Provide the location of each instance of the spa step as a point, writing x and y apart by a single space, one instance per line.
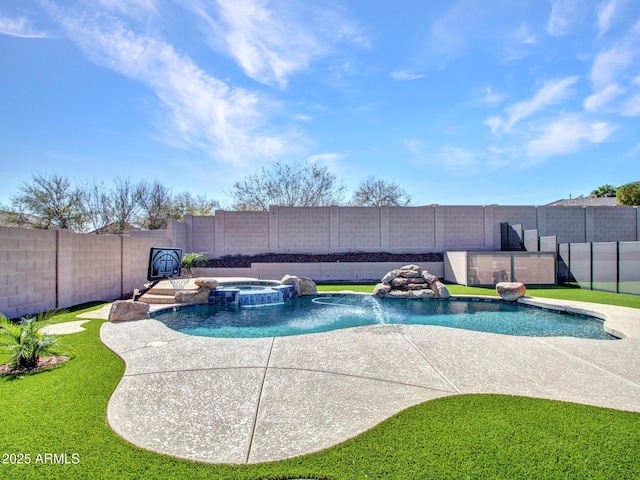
156 299
165 291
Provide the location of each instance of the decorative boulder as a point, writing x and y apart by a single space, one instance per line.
204 282
410 281
193 297
381 289
289 280
199 296
511 291
304 286
307 287
125 310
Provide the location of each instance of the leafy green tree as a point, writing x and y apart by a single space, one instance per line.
26 342
604 191
629 194
288 185
49 202
374 192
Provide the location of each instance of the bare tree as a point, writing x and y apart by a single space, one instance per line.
155 204
186 204
95 202
292 185
374 192
124 205
112 210
49 202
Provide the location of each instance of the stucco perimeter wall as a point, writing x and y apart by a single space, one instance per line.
44 269
431 228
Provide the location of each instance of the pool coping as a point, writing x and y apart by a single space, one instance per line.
268 399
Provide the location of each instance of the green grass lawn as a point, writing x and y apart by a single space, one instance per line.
62 411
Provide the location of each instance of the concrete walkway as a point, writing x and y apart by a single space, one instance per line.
256 400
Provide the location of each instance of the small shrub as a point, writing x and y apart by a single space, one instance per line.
191 260
26 342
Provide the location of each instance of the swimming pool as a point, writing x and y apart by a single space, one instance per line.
331 312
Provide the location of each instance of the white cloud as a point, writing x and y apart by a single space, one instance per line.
457 159
609 64
326 157
605 15
599 100
565 14
200 110
567 134
414 146
130 7
524 36
491 98
405 75
553 92
495 123
271 42
631 107
333 161
18 27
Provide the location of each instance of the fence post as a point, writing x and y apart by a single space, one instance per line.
617 267
590 265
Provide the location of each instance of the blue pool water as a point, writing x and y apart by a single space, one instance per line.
321 314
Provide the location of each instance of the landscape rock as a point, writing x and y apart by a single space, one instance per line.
289 280
304 286
193 297
307 287
206 282
390 276
510 291
410 281
443 291
381 289
125 310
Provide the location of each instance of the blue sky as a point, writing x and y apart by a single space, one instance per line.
460 102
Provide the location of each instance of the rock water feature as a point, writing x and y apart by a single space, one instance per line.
248 293
412 282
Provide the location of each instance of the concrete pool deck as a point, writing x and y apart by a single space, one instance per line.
222 400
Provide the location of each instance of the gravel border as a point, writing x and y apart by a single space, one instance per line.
245 261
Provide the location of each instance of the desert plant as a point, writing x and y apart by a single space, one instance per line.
26 342
191 260
604 191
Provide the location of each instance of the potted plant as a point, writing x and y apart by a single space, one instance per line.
191 260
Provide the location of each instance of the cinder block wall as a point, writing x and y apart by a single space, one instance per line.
432 228
44 269
613 224
27 271
412 228
464 228
301 229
